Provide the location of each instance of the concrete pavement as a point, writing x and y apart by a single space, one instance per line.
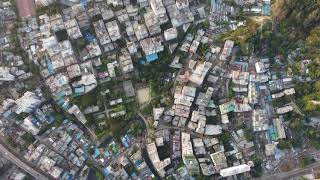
12 158
162 127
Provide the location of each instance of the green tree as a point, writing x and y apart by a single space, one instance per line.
305 160
249 134
28 137
257 168
284 144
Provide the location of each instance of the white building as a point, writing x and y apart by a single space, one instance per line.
132 47
170 34
27 102
158 8
213 130
157 163
230 171
260 68
290 91
29 126
5 74
285 109
199 73
43 2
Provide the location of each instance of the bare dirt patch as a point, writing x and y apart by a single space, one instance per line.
143 95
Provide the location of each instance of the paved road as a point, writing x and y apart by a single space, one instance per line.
183 129
294 173
12 158
145 123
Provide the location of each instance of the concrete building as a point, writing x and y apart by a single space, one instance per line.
128 88
259 120
73 29
182 4
49 165
184 96
252 93
227 50
240 78
77 113
107 14
125 61
280 128
140 30
158 8
43 2
113 30
211 130
101 32
132 47
219 160
157 163
170 34
289 91
177 16
151 45
115 3
27 103
285 109
74 71
199 73
260 68
152 22
188 157
5 74
29 126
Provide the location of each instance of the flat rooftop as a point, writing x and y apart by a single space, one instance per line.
26 8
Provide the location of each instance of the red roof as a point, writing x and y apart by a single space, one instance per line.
26 8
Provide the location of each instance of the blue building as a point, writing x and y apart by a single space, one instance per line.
106 173
125 141
79 90
50 67
8 113
96 153
266 8
152 57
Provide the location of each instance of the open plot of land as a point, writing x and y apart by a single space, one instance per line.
143 95
287 166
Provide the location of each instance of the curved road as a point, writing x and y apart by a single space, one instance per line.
145 122
12 158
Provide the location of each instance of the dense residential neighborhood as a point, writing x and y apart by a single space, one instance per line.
159 89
